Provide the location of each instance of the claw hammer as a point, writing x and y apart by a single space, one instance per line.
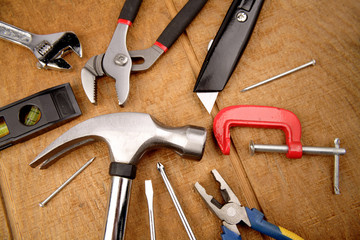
128 136
270 117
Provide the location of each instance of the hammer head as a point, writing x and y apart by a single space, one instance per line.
129 136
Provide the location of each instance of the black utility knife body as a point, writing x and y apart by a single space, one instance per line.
226 49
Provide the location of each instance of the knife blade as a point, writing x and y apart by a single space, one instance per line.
226 50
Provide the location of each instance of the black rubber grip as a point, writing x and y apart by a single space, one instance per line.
177 26
122 170
130 10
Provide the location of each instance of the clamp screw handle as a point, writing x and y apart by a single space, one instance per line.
336 151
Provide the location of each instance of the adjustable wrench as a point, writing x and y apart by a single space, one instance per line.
48 49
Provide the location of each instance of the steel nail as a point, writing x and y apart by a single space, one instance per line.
312 62
43 203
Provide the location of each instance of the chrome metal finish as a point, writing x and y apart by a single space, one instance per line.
336 167
161 169
311 63
118 208
43 203
121 74
336 151
48 49
120 59
306 149
241 17
232 212
209 44
91 70
115 63
149 57
128 136
149 196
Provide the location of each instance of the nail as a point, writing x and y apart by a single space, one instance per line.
312 62
43 203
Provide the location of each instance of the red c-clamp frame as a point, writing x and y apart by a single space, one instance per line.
258 117
270 117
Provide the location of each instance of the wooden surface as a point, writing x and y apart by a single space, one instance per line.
295 194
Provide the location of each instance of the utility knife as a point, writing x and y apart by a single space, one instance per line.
226 49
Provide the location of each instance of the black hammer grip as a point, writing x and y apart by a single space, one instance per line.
177 26
130 10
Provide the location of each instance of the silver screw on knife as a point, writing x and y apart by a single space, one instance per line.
312 62
43 203
150 195
161 169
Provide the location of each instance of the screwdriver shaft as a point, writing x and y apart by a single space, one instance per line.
161 169
43 203
150 196
312 62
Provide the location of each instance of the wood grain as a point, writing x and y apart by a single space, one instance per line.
295 194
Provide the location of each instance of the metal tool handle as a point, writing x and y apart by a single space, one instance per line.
15 35
177 26
130 10
118 208
180 211
258 117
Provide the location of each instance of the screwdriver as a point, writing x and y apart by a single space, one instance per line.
149 195
161 169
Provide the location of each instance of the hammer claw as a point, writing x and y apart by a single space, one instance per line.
128 136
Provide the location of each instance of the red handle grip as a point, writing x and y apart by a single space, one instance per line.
258 117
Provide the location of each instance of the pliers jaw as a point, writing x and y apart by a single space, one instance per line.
115 63
232 212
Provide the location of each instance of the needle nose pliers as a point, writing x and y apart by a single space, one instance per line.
232 213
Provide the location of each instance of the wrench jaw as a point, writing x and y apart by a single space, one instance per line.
49 49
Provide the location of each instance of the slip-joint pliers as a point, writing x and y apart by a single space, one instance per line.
232 213
117 62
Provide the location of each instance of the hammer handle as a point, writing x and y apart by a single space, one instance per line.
118 208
